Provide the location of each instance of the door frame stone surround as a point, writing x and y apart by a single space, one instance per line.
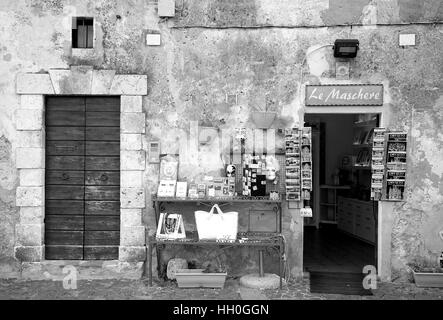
30 156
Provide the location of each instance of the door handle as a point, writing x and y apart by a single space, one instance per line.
65 176
103 177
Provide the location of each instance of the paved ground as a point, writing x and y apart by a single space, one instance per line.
131 289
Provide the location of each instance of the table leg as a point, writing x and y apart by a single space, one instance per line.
280 265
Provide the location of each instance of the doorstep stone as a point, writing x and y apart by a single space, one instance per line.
86 270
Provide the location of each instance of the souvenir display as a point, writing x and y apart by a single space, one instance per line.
201 190
272 169
254 175
306 163
170 227
230 170
377 163
396 165
168 176
193 191
293 162
306 212
166 188
181 189
168 168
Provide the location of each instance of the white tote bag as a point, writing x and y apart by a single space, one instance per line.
216 226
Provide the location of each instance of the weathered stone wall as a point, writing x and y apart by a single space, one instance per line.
255 50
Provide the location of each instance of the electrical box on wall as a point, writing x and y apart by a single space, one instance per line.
166 8
154 152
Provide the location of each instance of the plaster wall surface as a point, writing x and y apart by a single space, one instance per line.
221 60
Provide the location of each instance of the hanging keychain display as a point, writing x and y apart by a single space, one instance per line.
292 152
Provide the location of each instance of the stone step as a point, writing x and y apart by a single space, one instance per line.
84 270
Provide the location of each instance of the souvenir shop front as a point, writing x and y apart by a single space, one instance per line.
237 217
358 172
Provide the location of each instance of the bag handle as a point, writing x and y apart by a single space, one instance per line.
215 206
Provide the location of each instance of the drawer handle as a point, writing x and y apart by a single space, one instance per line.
103 177
65 176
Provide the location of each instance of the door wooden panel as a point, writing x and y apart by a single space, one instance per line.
102 163
110 223
65 133
64 222
102 134
103 119
68 207
57 237
102 178
65 118
65 177
63 192
82 218
65 104
110 104
102 238
103 148
54 252
65 148
100 252
102 193
65 162
102 208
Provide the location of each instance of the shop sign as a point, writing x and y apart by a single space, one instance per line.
344 95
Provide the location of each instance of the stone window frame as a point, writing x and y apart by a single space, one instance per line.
30 154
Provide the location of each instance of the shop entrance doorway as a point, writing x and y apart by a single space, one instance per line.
341 236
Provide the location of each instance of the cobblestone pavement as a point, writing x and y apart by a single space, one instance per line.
139 289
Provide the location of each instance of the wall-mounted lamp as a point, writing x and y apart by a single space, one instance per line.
345 48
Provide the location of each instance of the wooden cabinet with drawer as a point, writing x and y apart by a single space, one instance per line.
356 217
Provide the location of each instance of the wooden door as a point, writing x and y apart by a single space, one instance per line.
82 219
